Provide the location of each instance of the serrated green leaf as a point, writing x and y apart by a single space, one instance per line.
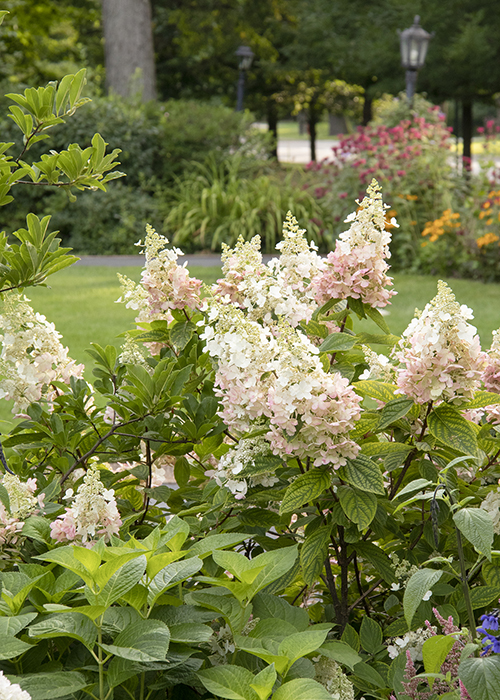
418 585
476 526
228 681
55 684
143 641
369 674
304 489
382 391
359 506
370 635
364 474
341 652
338 342
481 677
481 399
393 410
434 652
452 429
11 646
302 689
313 554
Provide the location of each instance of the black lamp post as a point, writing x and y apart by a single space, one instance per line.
245 55
414 42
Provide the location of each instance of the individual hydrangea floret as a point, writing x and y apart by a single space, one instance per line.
22 503
11 691
93 514
380 368
357 267
439 354
32 355
411 642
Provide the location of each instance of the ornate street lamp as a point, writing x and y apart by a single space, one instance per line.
245 54
414 42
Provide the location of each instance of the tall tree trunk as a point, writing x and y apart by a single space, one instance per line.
272 121
367 110
467 135
312 121
128 48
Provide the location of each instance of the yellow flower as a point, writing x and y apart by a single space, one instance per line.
486 239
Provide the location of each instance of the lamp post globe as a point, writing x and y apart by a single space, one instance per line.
413 43
245 54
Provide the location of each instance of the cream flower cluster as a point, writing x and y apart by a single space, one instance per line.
93 514
332 678
279 289
380 367
491 376
439 354
32 355
236 460
491 505
11 691
357 267
274 373
164 285
22 502
412 642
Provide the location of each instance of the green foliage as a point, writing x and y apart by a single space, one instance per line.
218 203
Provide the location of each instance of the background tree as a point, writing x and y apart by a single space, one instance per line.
128 47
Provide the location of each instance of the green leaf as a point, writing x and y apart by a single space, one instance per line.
416 485
418 585
481 677
302 643
271 606
491 575
369 674
313 554
370 635
341 652
71 624
171 575
209 544
238 564
264 682
144 641
434 652
14 624
452 429
382 391
4 498
480 400
305 489
351 637
476 526
54 684
359 506
302 689
338 342
397 408
10 647
231 682
376 316
181 333
377 558
363 474
125 578
482 596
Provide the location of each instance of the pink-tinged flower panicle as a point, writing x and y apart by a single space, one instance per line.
439 354
165 285
357 267
94 512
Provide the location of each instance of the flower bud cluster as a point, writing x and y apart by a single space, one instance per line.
357 267
93 514
332 678
32 356
230 466
439 354
412 643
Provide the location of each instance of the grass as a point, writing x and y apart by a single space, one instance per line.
80 301
290 130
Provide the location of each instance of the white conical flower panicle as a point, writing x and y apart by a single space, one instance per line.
439 354
93 514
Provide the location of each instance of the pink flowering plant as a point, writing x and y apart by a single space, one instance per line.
252 500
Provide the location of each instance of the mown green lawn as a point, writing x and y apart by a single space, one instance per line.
81 303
